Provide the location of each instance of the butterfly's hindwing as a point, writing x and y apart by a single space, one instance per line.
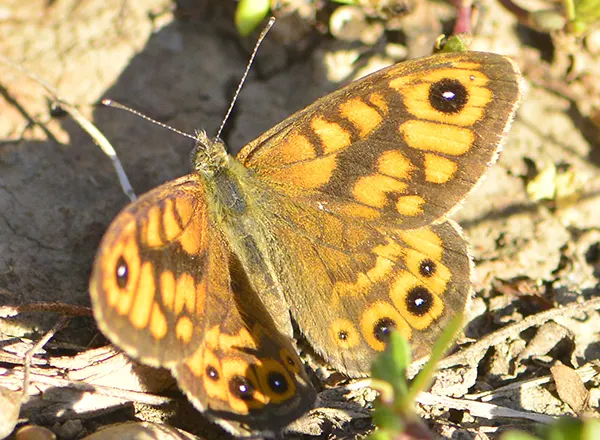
363 285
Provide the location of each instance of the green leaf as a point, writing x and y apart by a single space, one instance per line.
385 418
442 343
565 428
249 14
456 43
380 434
390 366
518 435
582 14
573 429
588 10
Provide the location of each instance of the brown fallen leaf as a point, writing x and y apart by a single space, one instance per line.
570 388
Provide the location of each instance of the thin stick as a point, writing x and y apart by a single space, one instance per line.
57 307
480 409
102 390
97 136
106 147
30 353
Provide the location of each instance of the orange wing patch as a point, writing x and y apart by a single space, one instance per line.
395 164
184 329
431 136
363 116
158 323
438 169
307 175
344 334
330 134
410 206
372 190
139 311
293 148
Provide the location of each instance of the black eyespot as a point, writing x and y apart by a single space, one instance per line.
427 268
122 273
212 373
291 362
419 301
448 96
383 328
241 388
277 382
343 335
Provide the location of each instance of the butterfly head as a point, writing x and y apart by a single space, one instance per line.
209 155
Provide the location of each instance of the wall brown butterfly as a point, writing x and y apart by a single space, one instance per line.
335 219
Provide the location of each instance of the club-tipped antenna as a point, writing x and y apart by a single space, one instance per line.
115 104
261 37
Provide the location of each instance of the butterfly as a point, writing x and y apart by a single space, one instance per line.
334 222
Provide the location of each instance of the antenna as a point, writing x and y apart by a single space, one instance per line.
115 104
261 37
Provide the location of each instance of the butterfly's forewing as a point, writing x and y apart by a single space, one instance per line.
149 285
167 289
383 147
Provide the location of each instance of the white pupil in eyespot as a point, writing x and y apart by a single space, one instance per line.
448 95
